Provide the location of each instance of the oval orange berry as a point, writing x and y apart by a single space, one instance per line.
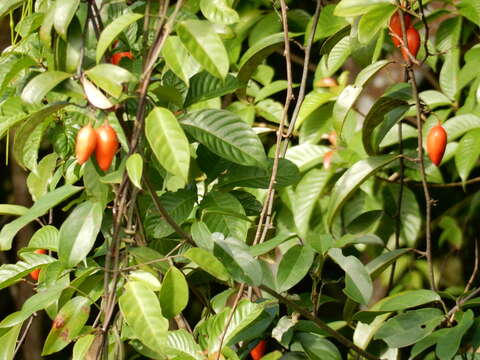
259 350
436 143
107 146
36 273
396 27
85 143
413 42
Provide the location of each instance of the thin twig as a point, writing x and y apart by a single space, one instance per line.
156 200
475 268
24 336
324 326
229 319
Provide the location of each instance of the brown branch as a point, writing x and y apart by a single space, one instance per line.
229 319
322 325
475 268
24 335
164 212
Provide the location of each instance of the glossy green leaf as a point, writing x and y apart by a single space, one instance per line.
141 309
352 179
135 169
8 5
12 65
307 156
299 258
109 78
307 192
178 60
204 86
168 142
11 273
82 346
409 327
41 85
67 324
79 232
9 338
374 21
357 7
40 208
219 11
112 30
204 44
235 255
328 23
406 299
459 125
207 262
382 262
223 213
225 134
312 102
269 245
182 345
259 178
64 13
449 343
38 182
173 293
45 238
467 153
317 347
358 284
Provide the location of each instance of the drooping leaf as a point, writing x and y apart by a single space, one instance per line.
467 153
204 86
181 344
40 85
173 293
9 338
64 13
109 78
219 11
45 238
207 262
299 258
135 169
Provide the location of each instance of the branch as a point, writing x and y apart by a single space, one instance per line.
164 212
322 325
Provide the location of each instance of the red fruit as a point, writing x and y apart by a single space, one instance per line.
36 273
115 60
413 41
436 143
259 350
85 144
327 159
107 146
396 26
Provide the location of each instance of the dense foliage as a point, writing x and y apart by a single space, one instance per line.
273 179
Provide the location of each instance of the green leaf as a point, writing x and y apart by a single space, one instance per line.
352 179
182 345
8 5
459 125
173 293
11 273
12 65
338 55
204 86
471 10
225 134
45 238
314 100
254 56
328 24
40 208
41 85
34 303
449 73
374 21
298 257
201 40
168 142
135 169
259 178
112 30
219 11
317 347
269 245
358 284
236 257
178 59
449 343
67 324
410 327
141 309
82 347
467 153
306 156
64 13
207 262
9 338
357 7
406 299
16 210
79 232
307 193
223 213
38 181
110 78
382 262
